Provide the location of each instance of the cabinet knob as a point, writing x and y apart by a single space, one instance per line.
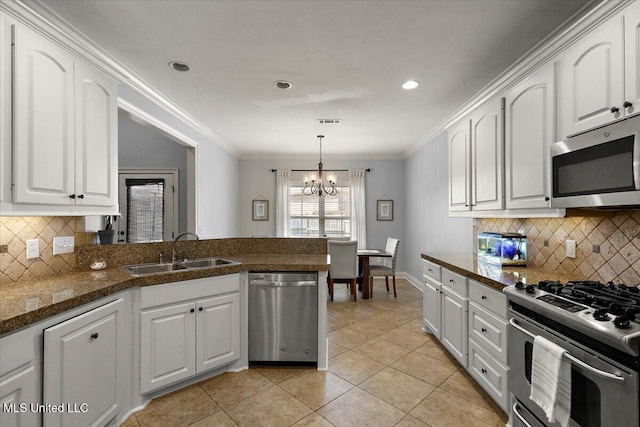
614 110
627 104
484 330
81 196
193 310
450 280
201 308
483 297
546 199
484 371
94 336
72 196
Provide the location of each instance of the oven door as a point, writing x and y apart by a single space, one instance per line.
603 393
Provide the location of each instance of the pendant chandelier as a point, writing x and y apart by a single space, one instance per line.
317 186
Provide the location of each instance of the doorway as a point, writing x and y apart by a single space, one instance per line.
149 205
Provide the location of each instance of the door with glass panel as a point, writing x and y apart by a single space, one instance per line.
148 205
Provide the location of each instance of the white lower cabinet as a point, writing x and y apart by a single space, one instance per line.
81 367
454 324
489 373
188 328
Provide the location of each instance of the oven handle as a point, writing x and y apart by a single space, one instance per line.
573 359
519 415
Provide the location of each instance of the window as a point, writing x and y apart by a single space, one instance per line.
313 216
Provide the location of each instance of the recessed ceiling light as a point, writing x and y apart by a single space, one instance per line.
282 84
410 84
179 66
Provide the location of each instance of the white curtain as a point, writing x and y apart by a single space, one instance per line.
283 182
358 205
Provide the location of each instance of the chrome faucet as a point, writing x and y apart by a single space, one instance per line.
175 241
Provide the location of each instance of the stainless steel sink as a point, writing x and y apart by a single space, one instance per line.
162 268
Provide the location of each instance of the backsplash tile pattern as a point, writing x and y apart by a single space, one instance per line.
14 232
618 238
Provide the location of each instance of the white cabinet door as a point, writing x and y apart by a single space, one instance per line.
167 345
96 146
529 130
631 56
592 80
454 324
460 167
487 166
19 389
43 151
217 331
431 306
81 368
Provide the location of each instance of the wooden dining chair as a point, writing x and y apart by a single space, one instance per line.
344 265
388 268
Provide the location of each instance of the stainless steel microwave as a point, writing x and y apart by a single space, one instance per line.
599 168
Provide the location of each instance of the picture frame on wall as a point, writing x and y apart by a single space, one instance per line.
385 210
260 210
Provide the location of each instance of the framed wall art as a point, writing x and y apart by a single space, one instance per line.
385 210
260 210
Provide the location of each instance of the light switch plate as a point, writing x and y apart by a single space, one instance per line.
33 248
63 245
571 248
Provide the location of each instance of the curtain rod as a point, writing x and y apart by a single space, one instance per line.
316 170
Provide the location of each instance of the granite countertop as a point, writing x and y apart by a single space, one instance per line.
30 301
494 276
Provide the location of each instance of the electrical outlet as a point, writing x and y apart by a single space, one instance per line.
63 245
33 248
571 248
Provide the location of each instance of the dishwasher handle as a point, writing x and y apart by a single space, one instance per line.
271 284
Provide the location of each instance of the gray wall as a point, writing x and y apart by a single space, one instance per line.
385 179
429 228
217 172
141 146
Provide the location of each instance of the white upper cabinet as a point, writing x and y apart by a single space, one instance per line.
64 127
599 75
487 151
460 167
529 129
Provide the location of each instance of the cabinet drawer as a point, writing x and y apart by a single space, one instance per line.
431 269
489 373
488 298
455 281
17 350
489 331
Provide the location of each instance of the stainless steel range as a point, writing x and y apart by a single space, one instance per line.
599 327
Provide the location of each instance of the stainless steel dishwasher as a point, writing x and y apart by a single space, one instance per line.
283 317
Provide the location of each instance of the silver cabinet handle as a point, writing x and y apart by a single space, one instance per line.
575 360
515 411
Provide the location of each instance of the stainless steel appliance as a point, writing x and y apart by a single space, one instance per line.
599 327
283 317
599 168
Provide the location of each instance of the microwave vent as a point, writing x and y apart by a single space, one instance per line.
329 121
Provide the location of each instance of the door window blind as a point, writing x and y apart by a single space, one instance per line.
145 210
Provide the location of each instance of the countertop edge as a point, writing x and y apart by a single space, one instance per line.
467 273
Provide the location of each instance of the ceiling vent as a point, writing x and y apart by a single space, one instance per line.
329 121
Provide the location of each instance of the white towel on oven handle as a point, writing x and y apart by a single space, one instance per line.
551 380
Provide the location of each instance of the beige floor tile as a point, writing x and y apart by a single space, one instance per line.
410 312
278 374
348 337
179 408
404 338
354 367
231 387
270 407
381 351
443 409
397 388
410 421
130 422
316 389
359 408
425 368
415 326
313 420
372 327
219 419
335 349
433 348
466 388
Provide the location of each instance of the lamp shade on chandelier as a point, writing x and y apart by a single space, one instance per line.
317 186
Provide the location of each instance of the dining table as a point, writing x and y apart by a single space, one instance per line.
363 267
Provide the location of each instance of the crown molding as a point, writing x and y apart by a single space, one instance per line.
325 156
578 25
39 17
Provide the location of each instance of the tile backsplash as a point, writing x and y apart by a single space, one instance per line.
607 248
14 232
